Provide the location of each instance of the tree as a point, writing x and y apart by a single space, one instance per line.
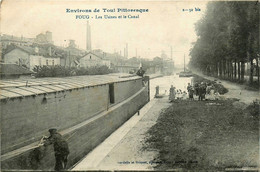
228 37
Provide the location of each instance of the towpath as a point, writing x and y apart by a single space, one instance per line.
235 90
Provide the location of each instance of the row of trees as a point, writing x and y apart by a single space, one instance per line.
228 37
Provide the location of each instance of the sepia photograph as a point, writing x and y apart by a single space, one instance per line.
138 85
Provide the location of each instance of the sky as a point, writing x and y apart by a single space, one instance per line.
165 25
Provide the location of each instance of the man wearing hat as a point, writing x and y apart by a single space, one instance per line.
61 148
140 72
202 91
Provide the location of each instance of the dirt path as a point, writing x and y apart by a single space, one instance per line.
236 90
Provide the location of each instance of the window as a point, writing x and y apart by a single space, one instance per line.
111 94
89 57
52 62
47 62
40 61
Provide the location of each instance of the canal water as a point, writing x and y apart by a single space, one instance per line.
165 83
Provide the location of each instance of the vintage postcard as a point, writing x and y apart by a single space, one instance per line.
129 85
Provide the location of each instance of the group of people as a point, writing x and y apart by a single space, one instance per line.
198 89
177 94
206 91
202 90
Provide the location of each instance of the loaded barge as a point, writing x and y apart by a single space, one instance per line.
85 109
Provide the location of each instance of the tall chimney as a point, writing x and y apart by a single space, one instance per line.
88 43
126 53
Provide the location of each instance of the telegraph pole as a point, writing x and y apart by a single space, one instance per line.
184 62
171 52
126 50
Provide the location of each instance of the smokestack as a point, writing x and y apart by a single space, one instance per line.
126 53
88 43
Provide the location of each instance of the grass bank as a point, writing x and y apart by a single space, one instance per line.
206 135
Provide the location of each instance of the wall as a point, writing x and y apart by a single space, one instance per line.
81 140
35 61
106 63
13 57
51 61
41 61
90 60
67 61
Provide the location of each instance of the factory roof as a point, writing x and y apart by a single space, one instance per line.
31 87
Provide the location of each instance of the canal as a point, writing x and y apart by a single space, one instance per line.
165 83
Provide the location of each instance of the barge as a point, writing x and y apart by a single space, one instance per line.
85 109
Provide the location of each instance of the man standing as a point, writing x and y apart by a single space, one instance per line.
190 91
196 88
189 87
61 148
140 72
202 91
